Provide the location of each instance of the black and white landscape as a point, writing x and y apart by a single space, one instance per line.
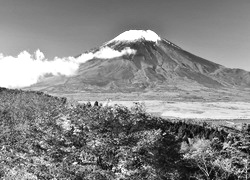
110 97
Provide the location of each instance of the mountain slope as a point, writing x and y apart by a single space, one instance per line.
139 60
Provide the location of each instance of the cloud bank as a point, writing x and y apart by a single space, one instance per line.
26 69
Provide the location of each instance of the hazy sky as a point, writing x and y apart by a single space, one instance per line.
218 30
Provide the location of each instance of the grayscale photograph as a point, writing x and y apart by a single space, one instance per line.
125 89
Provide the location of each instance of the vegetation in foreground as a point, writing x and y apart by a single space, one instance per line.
45 137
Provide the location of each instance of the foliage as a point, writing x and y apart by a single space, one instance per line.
44 137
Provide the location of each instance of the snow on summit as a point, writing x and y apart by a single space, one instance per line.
134 35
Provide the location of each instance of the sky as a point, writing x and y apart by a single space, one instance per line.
217 30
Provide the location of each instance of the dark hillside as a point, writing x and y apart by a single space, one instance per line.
44 137
21 110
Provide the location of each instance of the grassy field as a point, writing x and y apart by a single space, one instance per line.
186 94
230 113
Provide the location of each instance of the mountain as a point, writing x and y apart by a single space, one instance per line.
141 61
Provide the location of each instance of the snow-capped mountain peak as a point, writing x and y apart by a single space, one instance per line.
135 35
141 61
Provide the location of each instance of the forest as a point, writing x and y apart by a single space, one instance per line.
48 137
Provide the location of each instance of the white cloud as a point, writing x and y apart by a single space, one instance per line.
106 53
27 69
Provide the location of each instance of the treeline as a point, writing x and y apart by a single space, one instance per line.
45 137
